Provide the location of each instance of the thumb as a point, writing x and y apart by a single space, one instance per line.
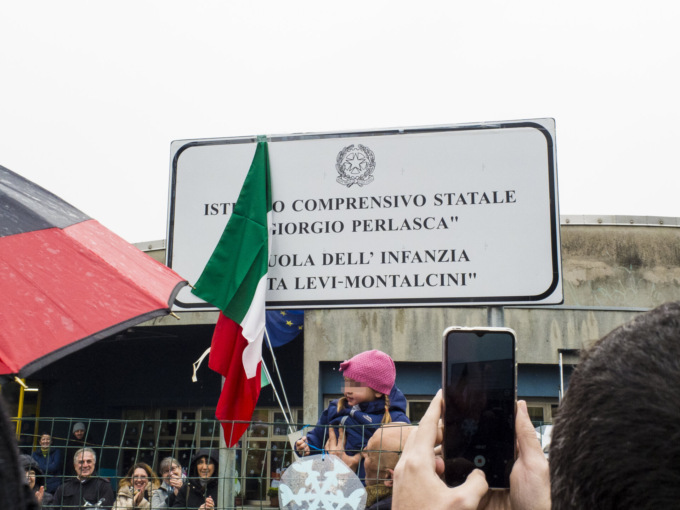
331 441
342 436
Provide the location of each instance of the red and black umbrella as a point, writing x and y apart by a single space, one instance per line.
66 281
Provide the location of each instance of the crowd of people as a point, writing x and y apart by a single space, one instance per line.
65 478
140 488
614 442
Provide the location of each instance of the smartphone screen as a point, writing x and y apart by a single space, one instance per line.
478 381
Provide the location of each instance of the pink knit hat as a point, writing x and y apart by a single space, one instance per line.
373 368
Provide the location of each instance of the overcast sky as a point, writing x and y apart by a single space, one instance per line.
93 92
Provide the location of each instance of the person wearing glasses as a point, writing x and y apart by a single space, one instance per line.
136 488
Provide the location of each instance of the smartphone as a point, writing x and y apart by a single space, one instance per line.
479 382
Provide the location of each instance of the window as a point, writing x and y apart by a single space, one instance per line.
541 411
417 407
267 452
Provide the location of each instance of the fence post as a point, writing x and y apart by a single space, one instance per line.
227 475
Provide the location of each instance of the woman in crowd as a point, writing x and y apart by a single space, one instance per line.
35 480
50 462
200 490
136 488
172 481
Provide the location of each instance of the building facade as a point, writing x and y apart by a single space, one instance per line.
613 269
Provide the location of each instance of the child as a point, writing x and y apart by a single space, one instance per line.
370 399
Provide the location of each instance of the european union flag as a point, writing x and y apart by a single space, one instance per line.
284 325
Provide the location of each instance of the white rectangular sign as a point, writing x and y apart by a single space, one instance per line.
445 215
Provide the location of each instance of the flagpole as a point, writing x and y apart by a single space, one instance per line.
227 471
278 373
276 393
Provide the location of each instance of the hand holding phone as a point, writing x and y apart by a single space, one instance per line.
479 383
417 484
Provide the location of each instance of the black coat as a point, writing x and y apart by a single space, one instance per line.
74 494
193 494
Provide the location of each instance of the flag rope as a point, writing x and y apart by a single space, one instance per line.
278 373
197 364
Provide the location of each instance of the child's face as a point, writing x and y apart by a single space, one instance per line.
356 393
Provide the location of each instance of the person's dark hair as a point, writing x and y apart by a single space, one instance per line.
211 454
29 464
616 440
14 491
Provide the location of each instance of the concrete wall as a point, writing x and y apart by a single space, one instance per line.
611 272
614 267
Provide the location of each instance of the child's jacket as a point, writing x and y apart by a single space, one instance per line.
360 421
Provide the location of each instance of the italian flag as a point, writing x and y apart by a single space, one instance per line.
234 281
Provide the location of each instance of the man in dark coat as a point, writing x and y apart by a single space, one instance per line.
85 489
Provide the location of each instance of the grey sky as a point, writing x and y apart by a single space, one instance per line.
94 92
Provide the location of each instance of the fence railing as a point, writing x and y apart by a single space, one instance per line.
259 458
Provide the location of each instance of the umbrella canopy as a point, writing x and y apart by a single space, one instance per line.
66 281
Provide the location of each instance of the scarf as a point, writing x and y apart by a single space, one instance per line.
376 492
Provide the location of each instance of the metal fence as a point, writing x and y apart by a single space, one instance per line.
255 464
259 458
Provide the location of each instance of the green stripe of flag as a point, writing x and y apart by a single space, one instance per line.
241 256
264 381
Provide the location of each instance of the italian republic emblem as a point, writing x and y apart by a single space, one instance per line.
355 165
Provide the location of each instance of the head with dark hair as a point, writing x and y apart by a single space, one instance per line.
45 440
205 463
14 491
616 440
34 475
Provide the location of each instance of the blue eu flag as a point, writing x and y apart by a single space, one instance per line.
284 325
